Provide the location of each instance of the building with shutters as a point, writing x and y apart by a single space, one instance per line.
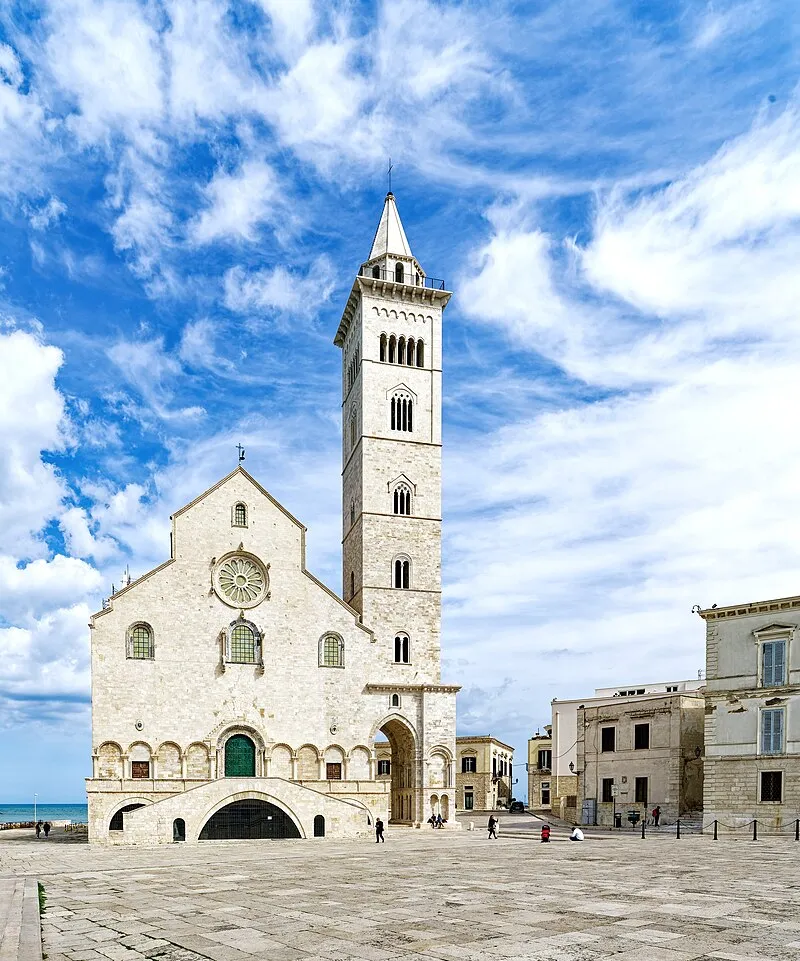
752 730
580 765
484 773
236 696
540 770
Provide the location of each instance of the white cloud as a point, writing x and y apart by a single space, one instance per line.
23 130
292 23
82 540
279 290
44 585
152 372
237 203
31 421
41 217
106 57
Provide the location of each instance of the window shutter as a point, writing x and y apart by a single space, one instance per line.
766 732
777 731
768 663
779 665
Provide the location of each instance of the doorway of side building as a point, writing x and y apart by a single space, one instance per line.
403 771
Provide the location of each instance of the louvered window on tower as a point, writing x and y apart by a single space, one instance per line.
402 413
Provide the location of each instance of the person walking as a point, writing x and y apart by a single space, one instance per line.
492 827
379 832
38 829
656 814
439 821
47 829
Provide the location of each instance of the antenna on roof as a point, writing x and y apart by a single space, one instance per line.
241 452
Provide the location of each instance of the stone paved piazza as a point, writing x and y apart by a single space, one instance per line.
424 895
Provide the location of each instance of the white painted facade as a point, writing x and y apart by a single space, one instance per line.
752 731
232 657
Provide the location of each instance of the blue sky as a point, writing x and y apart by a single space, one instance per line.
612 190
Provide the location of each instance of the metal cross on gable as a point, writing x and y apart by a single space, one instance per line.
241 452
389 174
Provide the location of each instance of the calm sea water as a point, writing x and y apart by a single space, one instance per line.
47 812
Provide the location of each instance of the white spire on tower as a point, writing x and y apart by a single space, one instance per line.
390 238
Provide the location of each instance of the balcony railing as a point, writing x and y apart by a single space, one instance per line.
409 278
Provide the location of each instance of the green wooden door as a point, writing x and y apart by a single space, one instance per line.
240 757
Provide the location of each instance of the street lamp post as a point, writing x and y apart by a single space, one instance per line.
35 796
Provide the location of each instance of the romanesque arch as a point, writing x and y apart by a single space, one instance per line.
249 819
404 770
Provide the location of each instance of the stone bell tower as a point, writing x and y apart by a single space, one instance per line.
391 340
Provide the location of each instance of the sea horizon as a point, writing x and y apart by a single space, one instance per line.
10 812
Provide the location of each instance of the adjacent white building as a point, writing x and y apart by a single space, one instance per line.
752 749
234 694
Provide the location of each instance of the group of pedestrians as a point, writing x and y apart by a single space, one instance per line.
436 821
43 826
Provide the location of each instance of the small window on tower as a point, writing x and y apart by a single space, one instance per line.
402 573
352 585
383 346
240 515
392 349
420 354
376 271
352 513
399 273
401 413
402 649
402 499
410 352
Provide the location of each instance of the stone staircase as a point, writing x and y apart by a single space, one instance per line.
20 930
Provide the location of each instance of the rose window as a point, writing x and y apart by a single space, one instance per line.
241 581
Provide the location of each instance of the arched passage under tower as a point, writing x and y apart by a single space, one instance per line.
403 770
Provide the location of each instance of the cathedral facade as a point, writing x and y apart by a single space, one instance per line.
236 696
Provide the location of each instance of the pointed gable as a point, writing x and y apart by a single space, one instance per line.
390 238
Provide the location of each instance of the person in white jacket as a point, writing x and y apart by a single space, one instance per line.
577 834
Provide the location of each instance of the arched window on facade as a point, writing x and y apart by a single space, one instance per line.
402 499
402 573
416 279
401 350
331 651
352 584
382 352
402 649
395 700
376 271
420 354
392 349
352 513
319 826
239 515
140 644
353 429
244 643
399 274
401 412
410 352
178 830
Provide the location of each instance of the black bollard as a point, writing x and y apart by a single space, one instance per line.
797 830
715 830
755 830
678 835
643 829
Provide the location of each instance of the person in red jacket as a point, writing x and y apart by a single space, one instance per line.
545 832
